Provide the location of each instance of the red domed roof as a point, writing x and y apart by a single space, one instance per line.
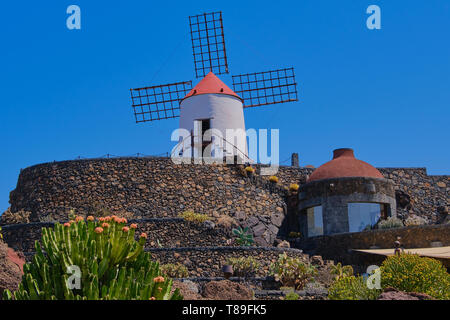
344 164
211 84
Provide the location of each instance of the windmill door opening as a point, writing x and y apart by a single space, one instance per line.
206 125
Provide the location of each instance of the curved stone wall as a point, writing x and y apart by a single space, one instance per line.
334 196
155 187
148 187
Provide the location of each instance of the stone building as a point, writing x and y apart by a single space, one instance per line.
344 195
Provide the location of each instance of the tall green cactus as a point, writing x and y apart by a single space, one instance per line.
113 265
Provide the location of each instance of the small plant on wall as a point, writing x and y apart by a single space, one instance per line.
190 215
340 271
390 223
243 266
273 179
243 236
18 217
175 270
249 171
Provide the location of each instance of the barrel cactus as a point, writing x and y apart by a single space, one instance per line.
93 260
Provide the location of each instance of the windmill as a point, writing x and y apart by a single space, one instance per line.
211 104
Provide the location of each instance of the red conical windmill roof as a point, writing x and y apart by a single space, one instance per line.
211 84
344 164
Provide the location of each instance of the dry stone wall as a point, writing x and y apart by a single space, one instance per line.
166 232
420 194
157 188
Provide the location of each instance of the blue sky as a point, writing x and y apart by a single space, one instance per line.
385 93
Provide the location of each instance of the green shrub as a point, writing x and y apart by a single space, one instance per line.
291 296
190 215
18 217
243 266
340 271
243 236
112 265
292 272
352 288
414 220
294 234
412 273
389 223
175 270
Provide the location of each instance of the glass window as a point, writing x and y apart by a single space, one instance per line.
315 221
363 216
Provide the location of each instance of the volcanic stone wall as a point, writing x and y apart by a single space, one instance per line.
420 194
148 187
338 247
166 232
155 187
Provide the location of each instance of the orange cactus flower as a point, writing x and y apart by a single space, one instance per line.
133 225
101 219
79 218
105 225
143 235
98 230
124 220
108 218
125 229
117 220
152 298
66 224
90 218
158 279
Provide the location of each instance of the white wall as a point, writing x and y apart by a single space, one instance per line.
225 112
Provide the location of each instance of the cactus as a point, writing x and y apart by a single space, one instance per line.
340 271
112 264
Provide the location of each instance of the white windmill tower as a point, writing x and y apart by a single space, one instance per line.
211 104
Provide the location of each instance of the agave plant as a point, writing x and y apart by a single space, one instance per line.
243 236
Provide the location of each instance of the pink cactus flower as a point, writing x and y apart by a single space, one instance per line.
79 218
90 218
66 224
98 230
158 279
105 225
143 235
133 225
152 298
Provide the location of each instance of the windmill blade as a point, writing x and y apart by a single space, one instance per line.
269 87
159 102
208 44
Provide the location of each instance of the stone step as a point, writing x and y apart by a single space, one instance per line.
208 261
165 232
